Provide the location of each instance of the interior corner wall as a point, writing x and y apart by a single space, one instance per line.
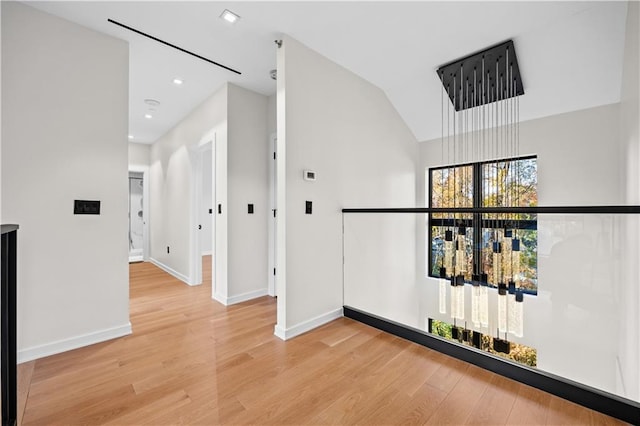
60 144
238 118
139 154
248 183
170 186
344 129
629 327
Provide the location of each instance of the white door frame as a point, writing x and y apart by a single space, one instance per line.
145 208
206 145
273 287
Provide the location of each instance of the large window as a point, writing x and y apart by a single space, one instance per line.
502 183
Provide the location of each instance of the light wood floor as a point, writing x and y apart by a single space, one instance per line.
191 360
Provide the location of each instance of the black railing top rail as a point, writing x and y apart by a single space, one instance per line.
630 209
8 228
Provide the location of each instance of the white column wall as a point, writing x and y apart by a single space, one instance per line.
64 137
345 129
248 184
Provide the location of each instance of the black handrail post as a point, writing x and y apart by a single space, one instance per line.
8 359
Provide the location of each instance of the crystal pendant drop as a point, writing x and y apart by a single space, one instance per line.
502 308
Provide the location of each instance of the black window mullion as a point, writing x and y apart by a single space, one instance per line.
475 221
430 234
477 218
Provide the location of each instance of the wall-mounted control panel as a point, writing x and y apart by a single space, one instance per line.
308 207
250 208
86 207
309 175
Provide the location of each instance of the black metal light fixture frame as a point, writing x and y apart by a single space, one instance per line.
489 68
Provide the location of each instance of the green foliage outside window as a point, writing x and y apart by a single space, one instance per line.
519 353
503 183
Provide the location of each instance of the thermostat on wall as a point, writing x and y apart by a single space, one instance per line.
309 175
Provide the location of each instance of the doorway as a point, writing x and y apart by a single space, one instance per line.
138 232
202 207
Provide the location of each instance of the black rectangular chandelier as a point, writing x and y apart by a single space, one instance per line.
484 77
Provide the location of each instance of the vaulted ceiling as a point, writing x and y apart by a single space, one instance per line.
570 53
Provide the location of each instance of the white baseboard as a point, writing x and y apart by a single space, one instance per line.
226 301
207 253
35 352
219 298
170 271
303 327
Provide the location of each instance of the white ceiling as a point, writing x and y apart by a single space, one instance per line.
570 53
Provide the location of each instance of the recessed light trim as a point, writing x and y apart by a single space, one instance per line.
229 16
178 81
148 116
130 136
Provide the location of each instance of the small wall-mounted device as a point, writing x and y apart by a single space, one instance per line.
308 207
309 175
250 208
86 207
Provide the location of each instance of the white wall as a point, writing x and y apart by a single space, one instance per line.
380 264
206 218
171 160
139 154
64 137
272 123
238 118
248 174
578 277
629 343
335 123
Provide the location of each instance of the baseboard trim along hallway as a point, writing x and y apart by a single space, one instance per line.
169 270
305 326
239 298
41 351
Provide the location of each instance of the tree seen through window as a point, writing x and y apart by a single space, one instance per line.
502 183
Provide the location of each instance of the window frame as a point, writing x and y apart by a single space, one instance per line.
477 194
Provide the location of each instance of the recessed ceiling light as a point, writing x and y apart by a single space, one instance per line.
148 116
152 102
130 136
229 16
177 81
